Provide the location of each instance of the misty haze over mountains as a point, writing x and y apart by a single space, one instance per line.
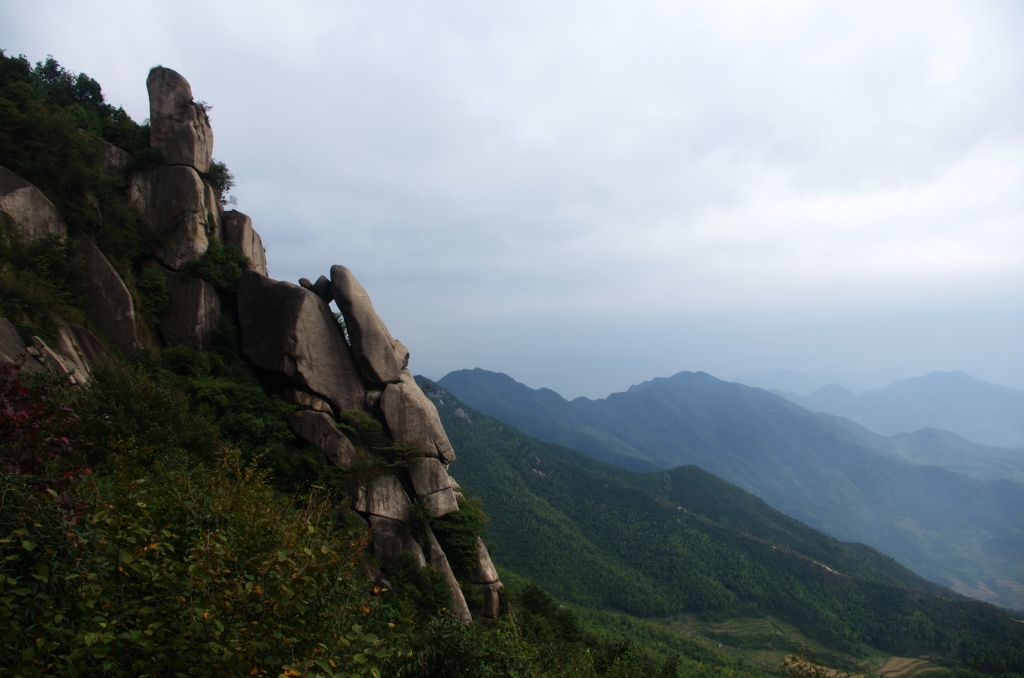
952 401
960 525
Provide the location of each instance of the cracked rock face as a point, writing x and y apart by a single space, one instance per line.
179 127
193 313
111 309
172 201
381 359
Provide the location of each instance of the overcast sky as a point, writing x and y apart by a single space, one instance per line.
589 195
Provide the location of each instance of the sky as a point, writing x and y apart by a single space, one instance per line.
587 195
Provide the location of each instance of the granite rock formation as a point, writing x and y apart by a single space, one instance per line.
111 309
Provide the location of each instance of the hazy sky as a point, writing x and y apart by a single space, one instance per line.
587 195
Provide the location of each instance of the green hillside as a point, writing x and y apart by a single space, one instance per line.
664 543
965 533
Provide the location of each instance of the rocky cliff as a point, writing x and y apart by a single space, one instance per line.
338 376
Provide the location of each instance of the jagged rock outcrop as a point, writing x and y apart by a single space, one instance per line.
412 418
381 495
172 201
179 127
111 309
380 358
238 231
439 562
193 313
290 330
318 428
484 572
31 211
391 539
433 486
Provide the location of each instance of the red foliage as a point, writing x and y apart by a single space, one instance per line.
36 428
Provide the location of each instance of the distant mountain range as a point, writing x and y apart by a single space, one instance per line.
662 543
952 401
960 531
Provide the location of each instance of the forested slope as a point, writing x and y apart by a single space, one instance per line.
960 531
659 543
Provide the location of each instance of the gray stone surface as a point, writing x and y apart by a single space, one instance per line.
380 358
79 349
111 310
428 475
292 331
437 560
411 417
484 572
238 231
193 314
440 503
381 496
33 214
179 126
172 202
53 361
391 539
319 429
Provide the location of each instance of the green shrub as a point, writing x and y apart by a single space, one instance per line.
152 287
221 266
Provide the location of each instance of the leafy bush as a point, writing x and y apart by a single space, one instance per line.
221 266
152 288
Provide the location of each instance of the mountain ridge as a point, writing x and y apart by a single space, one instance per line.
957 530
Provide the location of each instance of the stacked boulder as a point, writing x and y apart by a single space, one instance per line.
181 210
334 372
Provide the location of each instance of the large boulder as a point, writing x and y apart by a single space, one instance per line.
412 418
111 309
193 313
319 429
172 201
178 126
381 359
391 539
437 560
381 496
32 213
238 231
292 331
